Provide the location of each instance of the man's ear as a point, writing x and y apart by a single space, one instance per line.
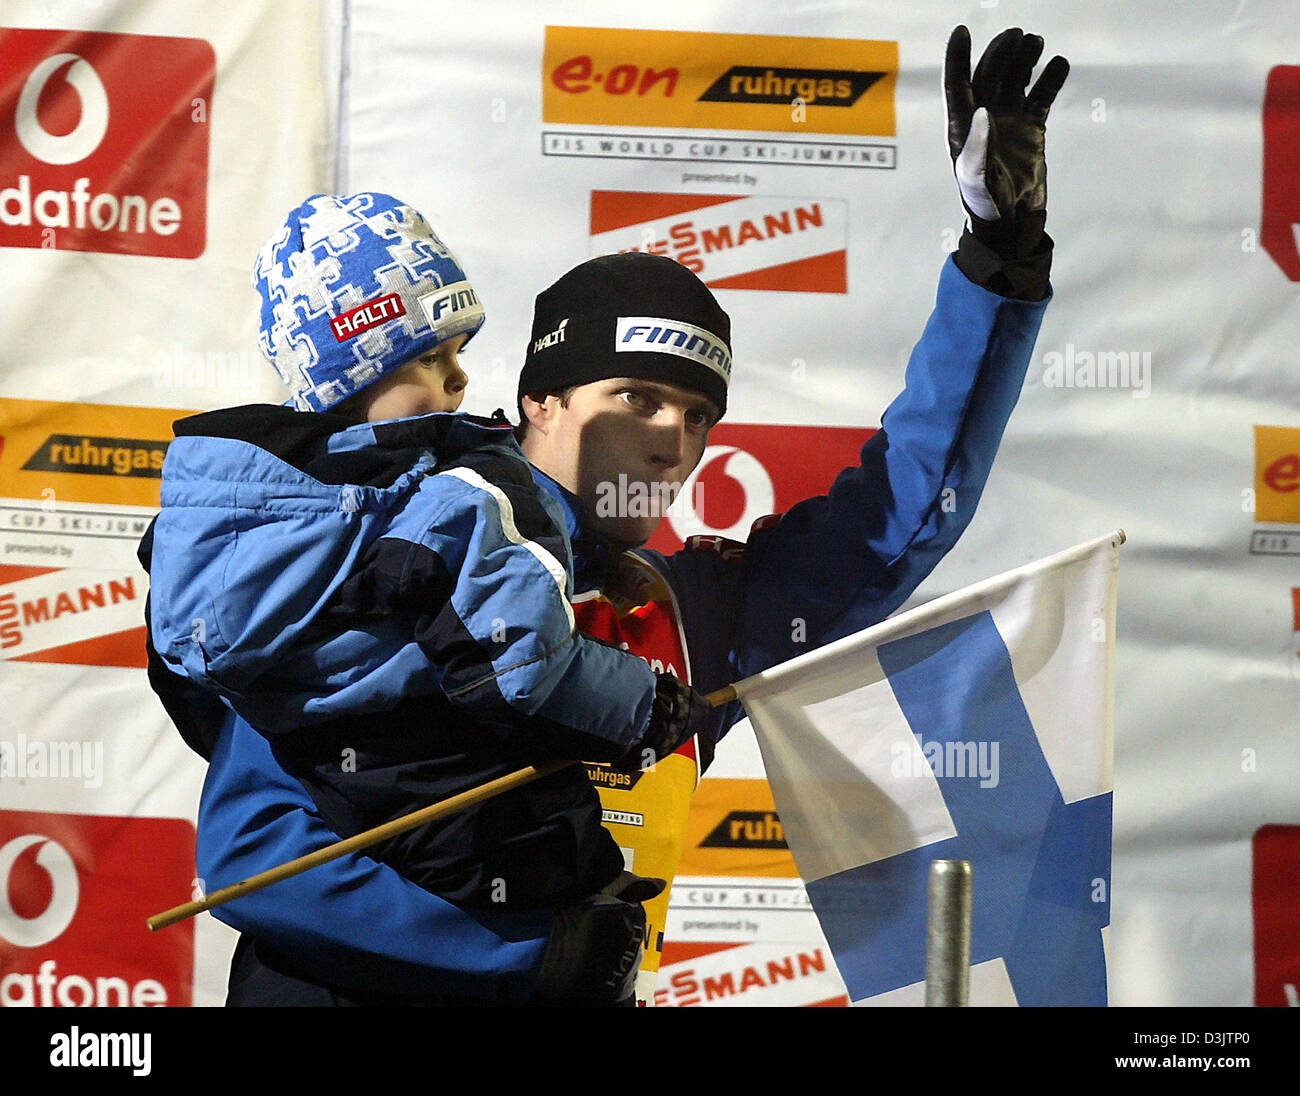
539 409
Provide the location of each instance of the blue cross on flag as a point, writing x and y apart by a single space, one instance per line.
978 727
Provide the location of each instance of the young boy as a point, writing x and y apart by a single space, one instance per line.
381 588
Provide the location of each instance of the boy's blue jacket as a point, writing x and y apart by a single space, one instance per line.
388 604
839 562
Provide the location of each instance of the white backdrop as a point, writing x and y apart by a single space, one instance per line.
1155 152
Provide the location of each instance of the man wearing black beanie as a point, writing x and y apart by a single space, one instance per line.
626 371
631 315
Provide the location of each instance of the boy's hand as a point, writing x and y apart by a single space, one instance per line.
679 713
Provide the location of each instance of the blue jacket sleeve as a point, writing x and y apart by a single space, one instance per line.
839 562
492 570
354 923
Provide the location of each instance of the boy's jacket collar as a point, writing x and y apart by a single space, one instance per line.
335 449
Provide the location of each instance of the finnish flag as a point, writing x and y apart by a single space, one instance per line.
978 727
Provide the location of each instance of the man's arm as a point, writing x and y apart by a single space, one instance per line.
839 562
846 560
843 561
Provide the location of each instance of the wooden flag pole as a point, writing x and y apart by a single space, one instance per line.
379 833
359 841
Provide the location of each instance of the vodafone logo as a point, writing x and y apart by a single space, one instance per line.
74 894
68 148
32 932
1274 891
104 141
1280 221
746 472
750 471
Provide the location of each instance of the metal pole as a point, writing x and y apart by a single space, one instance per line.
947 934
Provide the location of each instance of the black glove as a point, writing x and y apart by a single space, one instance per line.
678 714
996 136
595 948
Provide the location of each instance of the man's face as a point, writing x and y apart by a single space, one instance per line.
623 446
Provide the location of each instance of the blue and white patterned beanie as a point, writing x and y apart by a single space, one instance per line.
353 287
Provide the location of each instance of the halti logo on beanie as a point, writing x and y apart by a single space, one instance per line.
365 316
660 336
553 338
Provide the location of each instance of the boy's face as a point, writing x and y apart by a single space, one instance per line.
432 382
623 446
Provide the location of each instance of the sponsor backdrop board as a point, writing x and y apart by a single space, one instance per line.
145 153
796 159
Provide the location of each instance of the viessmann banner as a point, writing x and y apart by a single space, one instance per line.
730 241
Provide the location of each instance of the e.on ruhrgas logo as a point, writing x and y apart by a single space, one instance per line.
732 241
104 141
615 76
75 891
748 472
78 487
1275 497
1280 232
734 830
687 95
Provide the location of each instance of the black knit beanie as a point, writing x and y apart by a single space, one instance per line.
629 315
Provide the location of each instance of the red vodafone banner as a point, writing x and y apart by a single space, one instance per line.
74 896
1275 894
1281 228
749 471
104 141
